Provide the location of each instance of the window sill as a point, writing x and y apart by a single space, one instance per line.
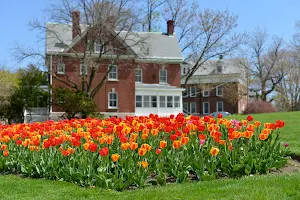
163 83
113 80
61 73
113 108
193 96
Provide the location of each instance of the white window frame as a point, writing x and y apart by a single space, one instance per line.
162 102
113 107
172 101
166 77
195 104
141 75
176 102
217 91
63 67
204 107
109 74
139 101
191 94
98 43
86 69
217 106
185 104
187 92
149 101
203 93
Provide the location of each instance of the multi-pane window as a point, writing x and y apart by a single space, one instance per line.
138 101
138 75
112 100
185 107
98 47
219 69
113 74
61 68
176 101
206 108
220 106
163 76
162 101
146 101
219 90
170 101
205 93
193 107
153 101
83 69
193 91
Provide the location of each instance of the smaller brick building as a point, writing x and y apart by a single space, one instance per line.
218 85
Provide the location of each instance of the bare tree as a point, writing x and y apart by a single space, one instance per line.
204 35
150 14
288 98
109 23
264 63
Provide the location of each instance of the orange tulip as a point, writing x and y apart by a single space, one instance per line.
115 157
110 140
214 151
86 146
144 136
263 136
144 164
162 144
248 134
125 146
32 148
133 145
257 123
176 144
184 140
154 132
5 153
142 151
222 142
3 147
146 146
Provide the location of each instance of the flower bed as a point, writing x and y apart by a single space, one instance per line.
119 153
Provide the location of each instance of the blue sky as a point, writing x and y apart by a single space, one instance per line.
277 16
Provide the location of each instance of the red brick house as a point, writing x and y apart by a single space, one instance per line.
142 81
219 85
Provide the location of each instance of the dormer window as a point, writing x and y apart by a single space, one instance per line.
163 76
98 47
219 69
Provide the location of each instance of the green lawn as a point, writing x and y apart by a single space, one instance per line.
283 186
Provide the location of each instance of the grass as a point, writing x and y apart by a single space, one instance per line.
283 186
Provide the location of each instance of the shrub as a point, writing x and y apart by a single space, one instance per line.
73 103
258 106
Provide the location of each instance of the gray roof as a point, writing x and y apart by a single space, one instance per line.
153 45
57 35
146 45
233 70
230 66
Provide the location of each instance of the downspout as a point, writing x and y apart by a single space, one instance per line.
50 85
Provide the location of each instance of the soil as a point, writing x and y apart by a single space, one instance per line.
292 166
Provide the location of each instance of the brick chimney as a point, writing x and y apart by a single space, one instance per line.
75 23
170 27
